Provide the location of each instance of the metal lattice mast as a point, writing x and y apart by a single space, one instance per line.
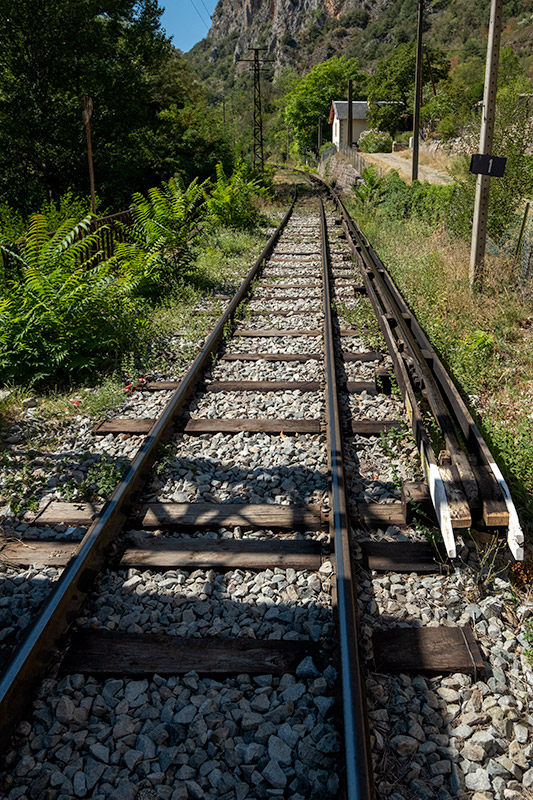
258 155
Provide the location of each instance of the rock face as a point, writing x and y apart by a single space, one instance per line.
277 24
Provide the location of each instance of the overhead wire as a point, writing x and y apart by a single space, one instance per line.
206 9
201 17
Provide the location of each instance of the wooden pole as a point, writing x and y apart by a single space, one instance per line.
319 134
349 137
87 113
418 88
481 207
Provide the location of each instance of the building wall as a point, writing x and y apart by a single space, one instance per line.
340 130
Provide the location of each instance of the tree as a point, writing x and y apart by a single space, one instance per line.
393 85
314 94
53 53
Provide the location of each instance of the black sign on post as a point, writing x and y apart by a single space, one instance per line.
494 166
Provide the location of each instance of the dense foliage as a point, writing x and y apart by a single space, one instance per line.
146 122
375 141
391 87
397 199
230 200
62 312
66 311
312 97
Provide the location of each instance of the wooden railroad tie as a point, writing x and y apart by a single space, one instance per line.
254 516
275 313
418 557
163 553
101 652
374 427
275 332
314 285
72 514
139 427
264 386
272 357
428 651
415 500
273 426
362 355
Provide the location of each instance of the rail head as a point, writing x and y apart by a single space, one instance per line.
359 772
37 650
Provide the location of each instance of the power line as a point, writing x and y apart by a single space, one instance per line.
196 9
206 9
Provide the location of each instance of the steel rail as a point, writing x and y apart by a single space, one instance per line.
35 653
464 473
471 433
359 773
438 485
488 476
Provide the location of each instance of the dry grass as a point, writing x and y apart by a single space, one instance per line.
439 160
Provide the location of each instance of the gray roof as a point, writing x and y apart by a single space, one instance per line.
359 109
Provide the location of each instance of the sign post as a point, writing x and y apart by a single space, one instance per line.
481 207
349 141
87 113
418 91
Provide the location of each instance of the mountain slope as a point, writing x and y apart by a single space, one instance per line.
301 33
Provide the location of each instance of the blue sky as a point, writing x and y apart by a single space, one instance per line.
185 23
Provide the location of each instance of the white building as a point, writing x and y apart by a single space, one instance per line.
338 117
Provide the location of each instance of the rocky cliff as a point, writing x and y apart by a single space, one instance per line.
301 33
292 31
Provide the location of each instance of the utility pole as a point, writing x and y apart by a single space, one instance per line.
319 134
259 157
418 89
350 115
481 207
86 115
258 154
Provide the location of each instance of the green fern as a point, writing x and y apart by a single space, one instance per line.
231 201
67 313
170 218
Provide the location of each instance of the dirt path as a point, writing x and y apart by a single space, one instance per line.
389 161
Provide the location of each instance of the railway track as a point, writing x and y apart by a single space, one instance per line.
215 591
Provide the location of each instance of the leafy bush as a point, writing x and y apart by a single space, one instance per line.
373 141
70 206
11 224
368 192
170 218
231 201
67 313
400 200
474 360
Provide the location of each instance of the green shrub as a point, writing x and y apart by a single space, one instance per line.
70 206
400 200
474 359
169 220
11 224
231 200
67 314
373 141
368 192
